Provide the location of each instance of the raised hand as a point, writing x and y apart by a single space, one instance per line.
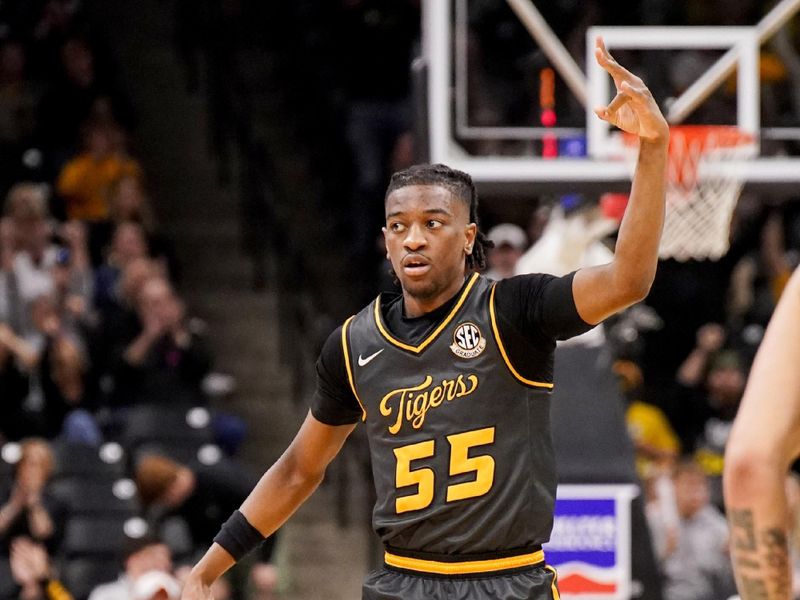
633 109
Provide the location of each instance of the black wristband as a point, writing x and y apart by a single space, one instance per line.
238 536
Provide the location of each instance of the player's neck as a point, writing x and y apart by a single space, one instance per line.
414 306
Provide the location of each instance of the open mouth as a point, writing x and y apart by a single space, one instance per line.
415 266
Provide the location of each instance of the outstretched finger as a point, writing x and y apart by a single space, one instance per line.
605 60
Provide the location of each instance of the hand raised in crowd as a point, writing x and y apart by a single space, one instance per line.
153 326
633 109
29 562
30 484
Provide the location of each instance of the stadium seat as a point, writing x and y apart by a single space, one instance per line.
82 575
174 532
174 426
94 536
80 461
87 497
184 453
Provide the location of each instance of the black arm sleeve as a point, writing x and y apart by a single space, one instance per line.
333 402
541 306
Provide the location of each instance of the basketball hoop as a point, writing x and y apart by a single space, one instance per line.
701 193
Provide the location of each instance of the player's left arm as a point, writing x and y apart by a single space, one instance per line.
764 441
601 291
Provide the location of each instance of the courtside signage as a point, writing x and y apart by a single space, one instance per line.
590 546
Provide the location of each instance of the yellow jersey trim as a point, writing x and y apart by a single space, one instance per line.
350 369
427 341
554 585
463 568
502 349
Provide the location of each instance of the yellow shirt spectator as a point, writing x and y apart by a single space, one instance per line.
652 435
85 183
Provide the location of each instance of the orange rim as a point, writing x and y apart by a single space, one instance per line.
724 136
687 143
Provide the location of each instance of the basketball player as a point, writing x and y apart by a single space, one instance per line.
764 442
451 380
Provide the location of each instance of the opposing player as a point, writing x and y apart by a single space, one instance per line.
451 381
764 442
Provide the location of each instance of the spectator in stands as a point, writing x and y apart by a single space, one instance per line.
202 497
86 180
695 559
119 323
143 555
509 244
33 572
17 97
13 387
28 273
166 361
127 244
30 511
18 100
156 585
61 377
69 103
711 383
130 203
656 444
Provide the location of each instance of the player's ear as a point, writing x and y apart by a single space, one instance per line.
470 233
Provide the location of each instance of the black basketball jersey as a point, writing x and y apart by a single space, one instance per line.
460 442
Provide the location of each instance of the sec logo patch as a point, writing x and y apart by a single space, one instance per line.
468 341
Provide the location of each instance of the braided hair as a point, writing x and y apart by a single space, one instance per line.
461 186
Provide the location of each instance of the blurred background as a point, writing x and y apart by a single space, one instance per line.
191 195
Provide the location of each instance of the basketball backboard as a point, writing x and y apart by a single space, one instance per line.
453 137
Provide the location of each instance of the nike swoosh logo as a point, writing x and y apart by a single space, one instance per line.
362 362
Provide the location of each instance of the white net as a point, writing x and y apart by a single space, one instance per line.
701 196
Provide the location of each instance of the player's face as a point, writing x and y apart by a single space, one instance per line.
428 236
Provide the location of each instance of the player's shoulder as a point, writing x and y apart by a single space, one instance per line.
522 285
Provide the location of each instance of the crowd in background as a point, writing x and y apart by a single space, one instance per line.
93 332
94 335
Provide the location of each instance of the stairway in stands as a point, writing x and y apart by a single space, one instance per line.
202 218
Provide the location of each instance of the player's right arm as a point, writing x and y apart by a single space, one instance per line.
281 490
294 477
764 441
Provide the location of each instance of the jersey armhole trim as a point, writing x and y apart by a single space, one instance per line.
350 379
498 339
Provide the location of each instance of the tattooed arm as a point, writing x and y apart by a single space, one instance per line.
764 441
